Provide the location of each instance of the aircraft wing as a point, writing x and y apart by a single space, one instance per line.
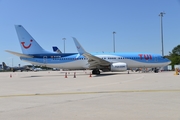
93 61
19 54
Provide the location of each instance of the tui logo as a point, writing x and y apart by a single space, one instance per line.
28 46
145 56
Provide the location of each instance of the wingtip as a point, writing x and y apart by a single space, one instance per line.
18 25
74 38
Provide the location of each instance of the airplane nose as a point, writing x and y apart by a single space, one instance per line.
169 62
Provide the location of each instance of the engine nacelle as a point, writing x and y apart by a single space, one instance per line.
118 67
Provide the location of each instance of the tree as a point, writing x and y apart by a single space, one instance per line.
174 56
176 51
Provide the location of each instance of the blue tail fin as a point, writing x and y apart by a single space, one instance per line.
56 49
27 42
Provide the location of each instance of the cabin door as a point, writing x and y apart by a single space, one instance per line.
44 59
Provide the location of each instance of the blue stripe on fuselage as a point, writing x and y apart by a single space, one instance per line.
70 57
139 57
51 55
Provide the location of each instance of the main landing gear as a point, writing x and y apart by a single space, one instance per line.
96 71
155 70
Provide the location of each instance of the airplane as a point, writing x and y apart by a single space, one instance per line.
114 62
56 49
23 68
37 69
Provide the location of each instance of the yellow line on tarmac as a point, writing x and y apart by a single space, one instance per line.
95 92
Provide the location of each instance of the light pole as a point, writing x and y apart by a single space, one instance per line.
64 43
114 41
161 22
12 61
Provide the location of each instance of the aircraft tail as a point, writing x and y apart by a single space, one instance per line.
4 66
56 49
27 42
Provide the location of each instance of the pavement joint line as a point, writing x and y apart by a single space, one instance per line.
95 92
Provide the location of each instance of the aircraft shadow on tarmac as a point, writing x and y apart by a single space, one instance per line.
71 74
109 74
40 76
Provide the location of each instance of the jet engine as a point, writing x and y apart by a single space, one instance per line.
118 67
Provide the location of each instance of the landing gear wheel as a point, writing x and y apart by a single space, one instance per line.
93 72
96 71
155 70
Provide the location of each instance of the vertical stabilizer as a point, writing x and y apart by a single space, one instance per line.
4 65
27 42
56 49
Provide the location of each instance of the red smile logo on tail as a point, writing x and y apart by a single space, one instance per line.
26 47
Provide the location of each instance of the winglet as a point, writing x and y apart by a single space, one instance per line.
79 47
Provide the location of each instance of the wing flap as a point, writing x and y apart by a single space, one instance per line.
95 62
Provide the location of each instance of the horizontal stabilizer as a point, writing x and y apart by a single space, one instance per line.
19 54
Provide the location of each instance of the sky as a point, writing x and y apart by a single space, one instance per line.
92 22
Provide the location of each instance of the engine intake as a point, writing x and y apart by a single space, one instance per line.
118 67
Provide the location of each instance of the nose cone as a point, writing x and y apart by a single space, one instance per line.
168 61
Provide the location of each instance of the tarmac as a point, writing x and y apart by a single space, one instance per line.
50 95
